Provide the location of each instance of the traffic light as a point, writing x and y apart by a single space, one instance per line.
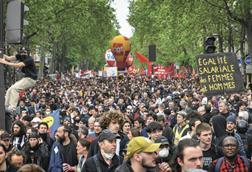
152 52
209 45
15 21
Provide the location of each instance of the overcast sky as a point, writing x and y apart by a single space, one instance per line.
122 12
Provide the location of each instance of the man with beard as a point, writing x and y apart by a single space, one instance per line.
141 156
36 152
231 161
63 152
27 65
18 134
106 159
230 130
44 135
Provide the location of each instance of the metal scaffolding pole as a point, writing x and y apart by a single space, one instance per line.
2 89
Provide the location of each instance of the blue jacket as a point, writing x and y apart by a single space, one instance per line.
56 161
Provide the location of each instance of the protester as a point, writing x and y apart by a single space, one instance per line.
106 159
82 152
31 168
205 137
165 150
172 108
231 161
18 134
27 65
5 139
141 156
36 152
44 135
3 162
63 154
181 128
189 156
16 160
230 128
111 120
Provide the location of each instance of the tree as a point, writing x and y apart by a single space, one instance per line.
73 31
179 28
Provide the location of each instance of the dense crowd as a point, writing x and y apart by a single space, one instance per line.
128 123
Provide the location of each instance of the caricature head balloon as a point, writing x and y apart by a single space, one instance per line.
129 61
110 59
120 47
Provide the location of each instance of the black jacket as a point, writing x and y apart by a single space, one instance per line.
94 147
47 140
92 166
39 155
126 167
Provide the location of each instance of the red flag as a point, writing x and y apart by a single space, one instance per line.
141 58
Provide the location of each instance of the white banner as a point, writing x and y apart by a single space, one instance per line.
111 71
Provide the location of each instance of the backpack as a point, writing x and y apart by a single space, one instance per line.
220 160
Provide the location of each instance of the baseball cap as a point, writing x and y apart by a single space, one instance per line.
141 144
162 140
129 107
106 135
23 50
36 120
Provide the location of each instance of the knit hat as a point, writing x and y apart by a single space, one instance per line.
231 118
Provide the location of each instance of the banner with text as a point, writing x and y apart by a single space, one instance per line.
219 73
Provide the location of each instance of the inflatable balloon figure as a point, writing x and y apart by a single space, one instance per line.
120 47
129 61
110 59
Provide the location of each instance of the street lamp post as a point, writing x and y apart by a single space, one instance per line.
2 89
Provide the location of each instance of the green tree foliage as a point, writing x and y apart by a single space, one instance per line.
73 31
179 27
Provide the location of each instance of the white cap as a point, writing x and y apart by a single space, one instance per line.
243 115
129 107
36 120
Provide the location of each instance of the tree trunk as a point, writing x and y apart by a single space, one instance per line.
229 38
249 36
41 64
220 37
52 61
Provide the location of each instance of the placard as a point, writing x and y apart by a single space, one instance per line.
110 71
219 73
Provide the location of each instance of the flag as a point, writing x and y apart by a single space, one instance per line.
141 58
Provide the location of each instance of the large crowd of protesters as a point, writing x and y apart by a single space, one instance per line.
128 123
